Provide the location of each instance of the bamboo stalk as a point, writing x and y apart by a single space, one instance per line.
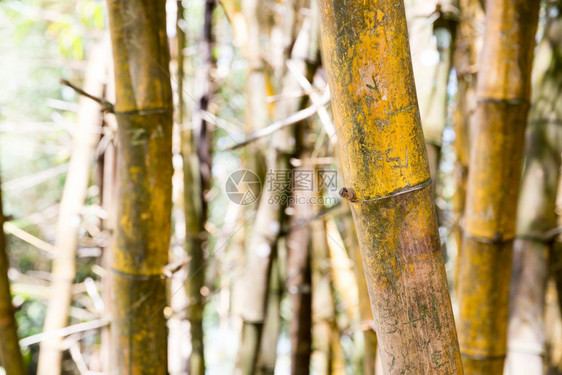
299 288
143 110
108 200
323 303
468 45
384 161
536 209
268 350
74 194
196 187
493 182
299 274
365 313
10 353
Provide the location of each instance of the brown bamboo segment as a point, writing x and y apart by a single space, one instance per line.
144 115
385 167
503 93
299 284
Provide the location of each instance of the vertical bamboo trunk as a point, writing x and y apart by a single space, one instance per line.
342 273
346 289
144 115
268 350
493 182
178 325
385 165
108 199
537 206
553 314
195 197
365 313
299 274
468 45
323 303
553 323
299 283
255 282
254 13
74 194
10 354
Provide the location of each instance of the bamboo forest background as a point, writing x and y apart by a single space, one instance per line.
225 242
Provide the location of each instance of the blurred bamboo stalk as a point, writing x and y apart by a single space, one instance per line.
108 188
272 326
537 205
143 110
299 275
68 223
197 156
299 280
467 48
324 325
178 325
553 298
367 323
503 93
10 353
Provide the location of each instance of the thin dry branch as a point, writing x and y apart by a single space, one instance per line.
66 331
278 125
105 105
30 239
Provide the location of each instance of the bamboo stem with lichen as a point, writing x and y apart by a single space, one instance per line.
385 165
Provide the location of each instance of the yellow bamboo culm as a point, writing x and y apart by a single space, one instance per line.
384 160
503 93
144 115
